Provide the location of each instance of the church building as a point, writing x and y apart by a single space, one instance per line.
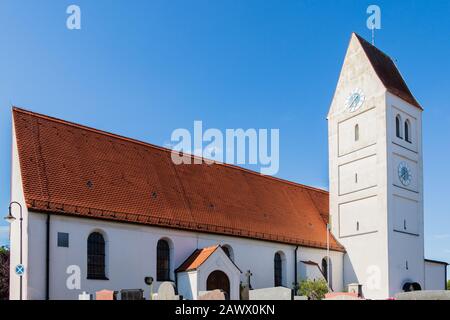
114 210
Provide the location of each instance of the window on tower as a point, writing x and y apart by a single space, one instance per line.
407 131
398 126
357 132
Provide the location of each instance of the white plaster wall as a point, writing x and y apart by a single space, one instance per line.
187 284
435 276
366 261
405 246
316 255
219 261
17 195
131 255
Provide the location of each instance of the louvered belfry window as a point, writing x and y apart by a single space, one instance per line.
96 256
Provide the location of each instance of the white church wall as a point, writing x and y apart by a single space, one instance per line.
366 261
366 122
187 284
435 276
219 261
131 255
316 255
17 195
406 246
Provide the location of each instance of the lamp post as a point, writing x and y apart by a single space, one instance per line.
10 219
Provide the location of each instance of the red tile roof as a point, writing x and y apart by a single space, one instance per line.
388 72
196 259
74 170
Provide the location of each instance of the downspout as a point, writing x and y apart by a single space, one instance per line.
47 260
295 271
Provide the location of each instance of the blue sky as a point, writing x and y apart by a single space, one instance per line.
145 68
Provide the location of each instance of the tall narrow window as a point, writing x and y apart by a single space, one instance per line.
398 127
357 132
163 261
96 256
407 131
325 268
278 267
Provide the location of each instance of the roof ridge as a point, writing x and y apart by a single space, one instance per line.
367 46
147 144
373 46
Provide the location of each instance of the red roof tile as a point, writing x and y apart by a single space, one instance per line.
74 170
388 72
196 259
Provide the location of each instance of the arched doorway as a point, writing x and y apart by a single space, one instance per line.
411 286
218 280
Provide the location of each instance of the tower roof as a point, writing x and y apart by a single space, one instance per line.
388 72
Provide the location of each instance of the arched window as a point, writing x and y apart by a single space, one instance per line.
163 261
357 132
228 251
328 270
278 267
407 131
96 256
398 126
325 268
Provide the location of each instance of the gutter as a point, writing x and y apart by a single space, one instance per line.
295 270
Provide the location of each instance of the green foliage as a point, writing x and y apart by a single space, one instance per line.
4 273
448 285
313 289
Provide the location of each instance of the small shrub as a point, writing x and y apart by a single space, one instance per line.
313 289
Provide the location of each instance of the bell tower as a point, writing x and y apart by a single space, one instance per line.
375 168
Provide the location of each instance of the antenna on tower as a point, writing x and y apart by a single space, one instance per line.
373 35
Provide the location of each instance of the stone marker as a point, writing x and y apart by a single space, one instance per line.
167 291
300 297
211 295
84 296
244 292
424 295
106 295
276 293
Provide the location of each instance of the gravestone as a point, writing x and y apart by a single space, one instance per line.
106 295
132 294
424 295
342 296
211 295
244 292
276 293
84 296
167 291
300 297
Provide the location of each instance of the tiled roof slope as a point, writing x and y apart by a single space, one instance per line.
388 72
196 259
79 171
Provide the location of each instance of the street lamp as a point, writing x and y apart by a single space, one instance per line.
10 219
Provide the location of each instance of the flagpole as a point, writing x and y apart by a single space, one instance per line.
328 255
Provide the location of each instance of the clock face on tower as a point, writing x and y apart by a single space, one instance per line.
355 100
404 173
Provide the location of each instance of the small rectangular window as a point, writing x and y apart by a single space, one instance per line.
63 239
